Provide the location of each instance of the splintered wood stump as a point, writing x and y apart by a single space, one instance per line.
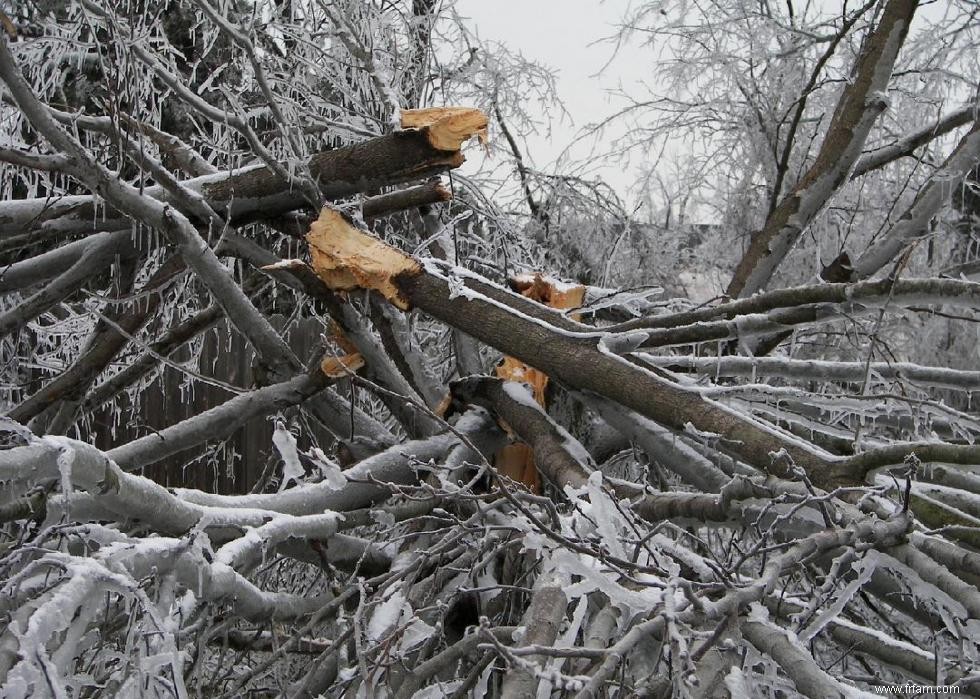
347 258
447 128
428 145
516 461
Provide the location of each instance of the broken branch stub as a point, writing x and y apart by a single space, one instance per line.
517 460
347 258
447 128
550 292
341 367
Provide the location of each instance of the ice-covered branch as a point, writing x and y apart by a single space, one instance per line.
818 370
908 143
862 101
220 421
914 222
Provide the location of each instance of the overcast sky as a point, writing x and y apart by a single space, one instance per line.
566 35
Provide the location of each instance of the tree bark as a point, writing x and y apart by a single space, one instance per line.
253 193
860 104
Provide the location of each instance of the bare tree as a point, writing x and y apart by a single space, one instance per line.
443 471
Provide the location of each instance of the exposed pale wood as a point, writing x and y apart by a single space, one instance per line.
516 461
337 367
495 316
254 193
346 258
447 128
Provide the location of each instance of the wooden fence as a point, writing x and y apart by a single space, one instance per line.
173 397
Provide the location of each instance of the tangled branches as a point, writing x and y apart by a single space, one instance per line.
254 441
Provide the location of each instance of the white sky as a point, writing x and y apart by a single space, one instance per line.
562 34
566 36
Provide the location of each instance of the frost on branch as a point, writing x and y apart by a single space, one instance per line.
226 473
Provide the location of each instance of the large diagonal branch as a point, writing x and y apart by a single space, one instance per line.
857 110
542 622
564 461
661 444
347 258
784 648
783 161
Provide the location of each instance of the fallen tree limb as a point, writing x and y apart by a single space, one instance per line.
256 192
878 292
346 257
542 622
401 199
661 444
380 366
557 455
903 656
218 422
566 463
783 647
367 479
